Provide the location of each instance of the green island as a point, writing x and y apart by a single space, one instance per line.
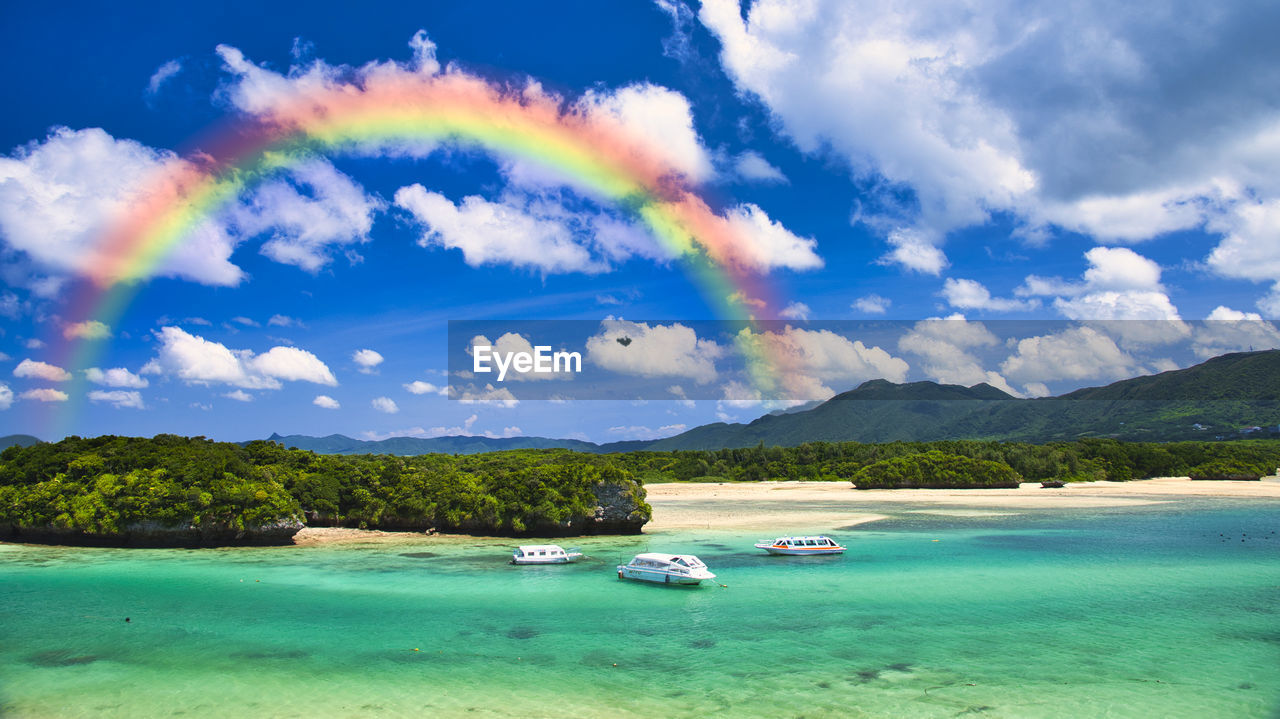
190 491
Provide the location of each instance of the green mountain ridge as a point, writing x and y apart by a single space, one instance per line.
1211 400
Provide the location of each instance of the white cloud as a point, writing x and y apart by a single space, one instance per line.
972 295
1251 249
495 233
246 321
325 401
239 395
6 396
33 344
385 404
945 346
1071 115
673 350
420 387
751 165
470 394
1271 303
662 118
1073 354
283 321
915 252
1119 284
88 330
58 196
642 432
806 362
511 343
367 359
292 364
795 311
1228 330
195 360
118 398
304 228
115 377
766 244
162 75
35 369
872 304
44 395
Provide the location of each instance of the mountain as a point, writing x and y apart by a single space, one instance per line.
21 440
342 444
1214 399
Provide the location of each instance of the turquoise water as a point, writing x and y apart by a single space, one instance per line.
1155 611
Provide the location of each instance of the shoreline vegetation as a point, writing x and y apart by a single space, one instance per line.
179 491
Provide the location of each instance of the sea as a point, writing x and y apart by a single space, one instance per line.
1164 610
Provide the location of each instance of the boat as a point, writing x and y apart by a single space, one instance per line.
544 554
665 569
798 546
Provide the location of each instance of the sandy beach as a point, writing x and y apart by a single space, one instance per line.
834 504
829 505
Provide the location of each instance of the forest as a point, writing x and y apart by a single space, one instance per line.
219 492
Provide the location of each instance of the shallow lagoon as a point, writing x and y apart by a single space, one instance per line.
1163 610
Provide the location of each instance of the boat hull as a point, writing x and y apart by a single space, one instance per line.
658 577
800 551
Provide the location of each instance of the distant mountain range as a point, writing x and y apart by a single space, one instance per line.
1216 399
21 440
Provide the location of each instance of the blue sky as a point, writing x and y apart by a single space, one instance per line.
996 161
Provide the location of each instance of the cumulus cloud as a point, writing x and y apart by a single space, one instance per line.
946 347
1074 354
1251 249
751 165
673 350
1067 115
489 395
6 396
118 398
1228 330
385 404
367 359
809 361
35 369
973 295
872 304
58 196
115 377
495 232
420 387
1119 284
307 226
795 311
87 330
662 117
767 244
195 360
511 343
44 395
325 401
239 395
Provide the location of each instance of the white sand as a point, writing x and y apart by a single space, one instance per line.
761 505
800 506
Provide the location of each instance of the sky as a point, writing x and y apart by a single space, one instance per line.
958 192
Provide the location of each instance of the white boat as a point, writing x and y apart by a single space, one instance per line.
665 569
543 554
801 546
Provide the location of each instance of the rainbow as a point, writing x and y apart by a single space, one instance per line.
592 149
